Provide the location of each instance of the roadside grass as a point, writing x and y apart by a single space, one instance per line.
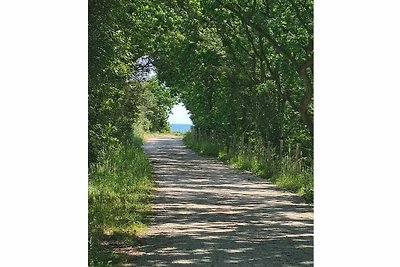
205 147
282 172
120 190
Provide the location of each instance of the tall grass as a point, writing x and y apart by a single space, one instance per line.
120 188
281 171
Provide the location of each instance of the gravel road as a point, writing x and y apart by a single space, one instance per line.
208 214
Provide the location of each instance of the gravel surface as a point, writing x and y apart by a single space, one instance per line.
207 214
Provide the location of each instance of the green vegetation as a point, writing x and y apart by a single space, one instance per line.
240 67
282 171
244 70
122 97
120 187
125 102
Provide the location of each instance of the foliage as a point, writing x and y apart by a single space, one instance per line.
120 94
155 106
240 67
120 187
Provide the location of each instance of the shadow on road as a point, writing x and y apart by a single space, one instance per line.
208 214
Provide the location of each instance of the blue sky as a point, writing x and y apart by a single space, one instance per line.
179 115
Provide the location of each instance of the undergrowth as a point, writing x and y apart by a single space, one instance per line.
120 188
282 172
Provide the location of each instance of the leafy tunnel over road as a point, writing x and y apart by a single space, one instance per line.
208 214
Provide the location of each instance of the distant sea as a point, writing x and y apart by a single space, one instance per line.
180 127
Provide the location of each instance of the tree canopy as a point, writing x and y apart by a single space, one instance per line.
241 67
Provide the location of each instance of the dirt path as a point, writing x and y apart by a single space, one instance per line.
210 215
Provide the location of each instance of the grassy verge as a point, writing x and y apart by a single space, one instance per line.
282 172
120 188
